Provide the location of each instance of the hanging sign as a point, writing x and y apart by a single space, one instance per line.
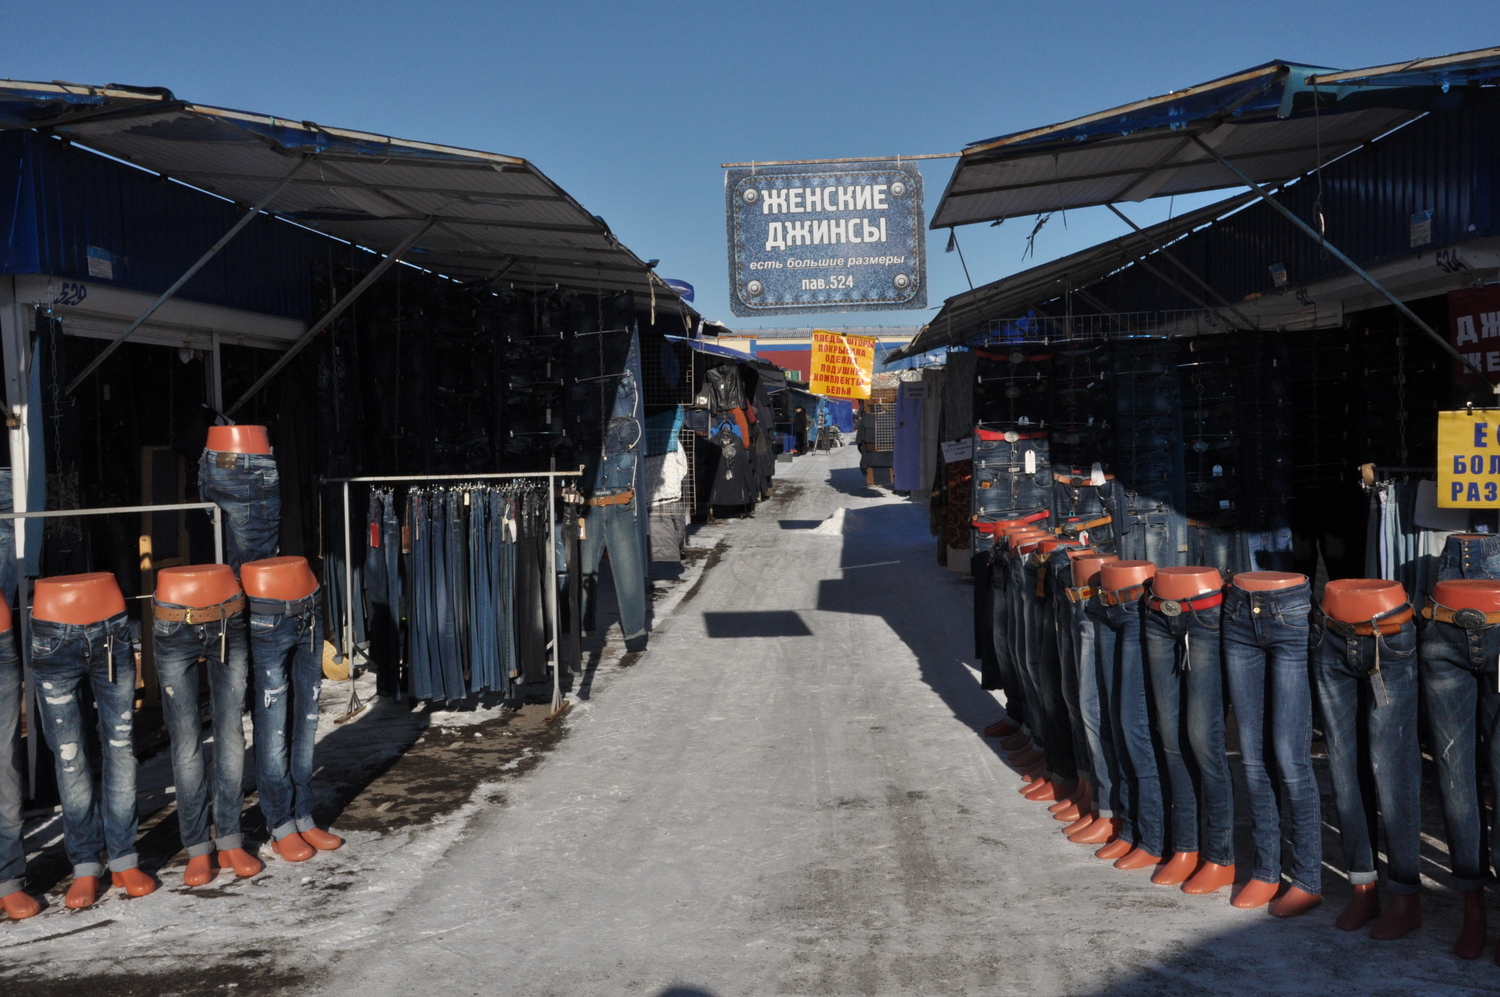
1474 330
842 366
832 239
1469 459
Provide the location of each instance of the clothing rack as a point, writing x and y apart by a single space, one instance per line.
28 681
555 645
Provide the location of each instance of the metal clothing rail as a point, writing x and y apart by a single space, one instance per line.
28 681
555 653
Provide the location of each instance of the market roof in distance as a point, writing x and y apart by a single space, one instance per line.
485 215
1275 122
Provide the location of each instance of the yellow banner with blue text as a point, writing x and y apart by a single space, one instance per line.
1469 459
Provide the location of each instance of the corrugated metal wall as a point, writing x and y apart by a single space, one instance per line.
56 201
1446 163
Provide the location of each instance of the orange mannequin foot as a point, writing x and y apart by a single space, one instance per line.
1402 916
1015 741
1294 902
1000 728
1067 814
293 849
20 905
242 862
1137 858
134 882
1083 821
1034 771
1178 870
1364 907
1102 829
1026 757
1046 793
1116 849
85 891
1471 937
1209 879
200 871
323 841
1034 785
1254 894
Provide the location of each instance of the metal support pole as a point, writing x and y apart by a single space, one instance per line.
177 285
1346 261
552 591
391 260
1180 266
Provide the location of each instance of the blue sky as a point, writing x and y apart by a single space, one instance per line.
632 107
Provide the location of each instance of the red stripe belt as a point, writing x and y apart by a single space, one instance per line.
1175 607
1009 436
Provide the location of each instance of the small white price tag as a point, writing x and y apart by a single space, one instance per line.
1031 462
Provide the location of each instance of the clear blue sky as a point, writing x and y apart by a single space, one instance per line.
633 106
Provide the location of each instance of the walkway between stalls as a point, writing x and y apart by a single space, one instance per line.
788 794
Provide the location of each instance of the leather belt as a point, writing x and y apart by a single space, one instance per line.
1176 607
1079 480
282 607
1468 619
1008 436
619 499
197 614
1033 517
1121 596
1073 528
1082 593
1387 623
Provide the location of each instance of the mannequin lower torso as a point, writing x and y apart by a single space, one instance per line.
1478 594
1358 600
1268 581
1086 568
238 439
282 578
1186 583
77 599
197 586
1124 576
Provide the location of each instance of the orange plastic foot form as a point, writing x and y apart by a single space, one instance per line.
323 841
1364 907
1033 785
1034 771
1001 728
1295 902
1068 814
200 871
1015 741
1137 858
134 882
20 905
1254 894
1178 870
85 890
242 862
1026 758
1116 849
1209 879
1470 944
1078 825
1046 792
1097 833
293 849
1402 916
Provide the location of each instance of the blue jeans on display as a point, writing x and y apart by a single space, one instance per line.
1024 632
1346 689
1154 531
1121 657
1112 796
1002 484
1002 637
1266 636
1213 547
1063 625
178 646
247 486
1187 686
63 657
286 644
12 852
1476 558
1076 505
10 574
615 527
1463 711
1056 683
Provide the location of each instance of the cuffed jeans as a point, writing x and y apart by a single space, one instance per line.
1062 760
1463 711
1122 662
1062 625
1349 695
1478 557
63 657
286 645
615 527
247 486
1187 687
178 647
1265 665
12 852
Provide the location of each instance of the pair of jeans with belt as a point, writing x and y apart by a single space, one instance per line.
247 486
1187 688
65 656
12 852
615 527
1123 666
286 644
1059 677
1461 686
1384 703
1002 637
178 647
1266 637
1004 482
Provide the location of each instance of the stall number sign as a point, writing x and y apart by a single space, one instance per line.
842 366
832 239
1469 459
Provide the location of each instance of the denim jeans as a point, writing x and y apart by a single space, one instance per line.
615 527
247 487
1475 558
10 574
1078 504
1112 791
286 645
1002 483
1022 630
1041 618
984 623
1153 531
1002 635
12 852
1062 628
1215 547
1266 637
222 646
1121 658
1463 712
1187 686
1352 700
63 657
383 592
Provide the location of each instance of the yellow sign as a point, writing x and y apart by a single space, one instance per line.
842 366
1469 459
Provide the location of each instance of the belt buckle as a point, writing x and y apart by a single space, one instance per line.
1469 619
225 460
1342 628
1017 357
1011 436
1171 607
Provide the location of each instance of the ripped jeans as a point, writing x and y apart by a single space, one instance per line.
286 646
64 656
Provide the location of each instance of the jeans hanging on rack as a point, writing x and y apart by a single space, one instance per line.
491 568
532 635
247 486
383 592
